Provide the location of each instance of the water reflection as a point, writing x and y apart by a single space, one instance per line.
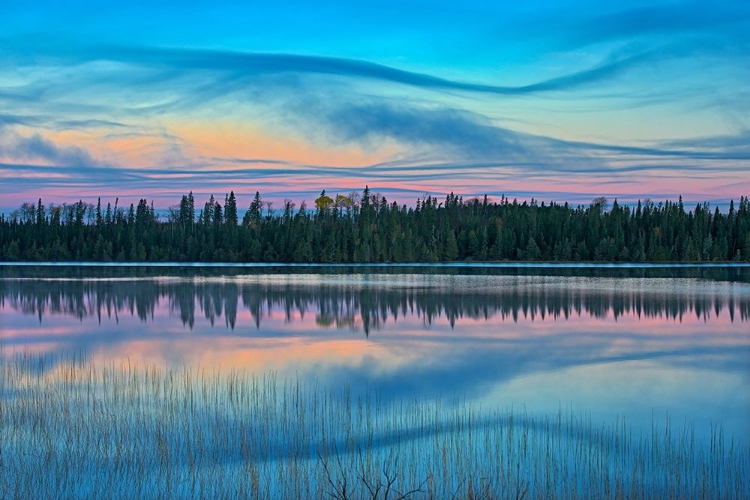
365 303
637 346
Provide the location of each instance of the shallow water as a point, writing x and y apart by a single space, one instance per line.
639 342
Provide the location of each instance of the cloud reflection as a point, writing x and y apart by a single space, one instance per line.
407 334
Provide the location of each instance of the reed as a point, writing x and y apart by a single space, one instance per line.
74 428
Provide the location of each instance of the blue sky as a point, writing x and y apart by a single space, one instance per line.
558 100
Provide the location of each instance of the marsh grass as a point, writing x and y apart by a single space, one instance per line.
77 429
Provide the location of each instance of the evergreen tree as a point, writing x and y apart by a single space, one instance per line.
230 210
366 228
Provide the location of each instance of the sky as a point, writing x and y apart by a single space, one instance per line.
559 101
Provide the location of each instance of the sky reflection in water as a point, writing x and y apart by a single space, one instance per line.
633 346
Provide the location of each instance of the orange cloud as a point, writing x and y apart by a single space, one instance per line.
246 140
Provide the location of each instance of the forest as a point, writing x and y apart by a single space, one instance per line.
366 228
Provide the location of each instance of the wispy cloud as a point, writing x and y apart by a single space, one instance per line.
8 120
674 18
590 102
36 147
57 123
470 136
239 66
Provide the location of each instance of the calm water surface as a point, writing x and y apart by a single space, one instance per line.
640 343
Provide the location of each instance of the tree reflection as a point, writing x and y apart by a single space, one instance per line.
364 307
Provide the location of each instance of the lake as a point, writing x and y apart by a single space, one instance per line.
638 342
642 343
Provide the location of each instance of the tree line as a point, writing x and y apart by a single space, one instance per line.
366 228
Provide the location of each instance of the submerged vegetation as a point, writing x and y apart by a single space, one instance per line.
367 228
77 429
